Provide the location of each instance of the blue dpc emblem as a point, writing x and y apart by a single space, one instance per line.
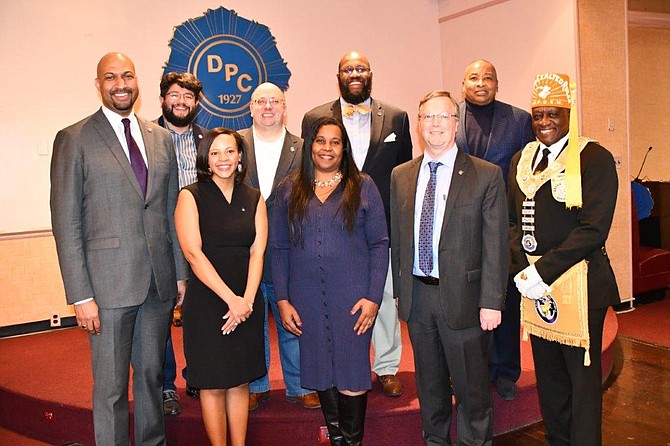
231 56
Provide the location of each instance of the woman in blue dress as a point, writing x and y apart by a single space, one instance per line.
329 264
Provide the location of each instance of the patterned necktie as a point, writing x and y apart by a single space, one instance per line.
544 162
426 222
136 160
350 109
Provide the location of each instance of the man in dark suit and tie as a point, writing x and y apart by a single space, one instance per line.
272 154
113 195
495 131
380 139
450 256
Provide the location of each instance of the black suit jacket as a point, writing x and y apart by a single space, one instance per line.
390 142
289 162
565 237
473 250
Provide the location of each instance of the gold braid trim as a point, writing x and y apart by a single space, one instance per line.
530 183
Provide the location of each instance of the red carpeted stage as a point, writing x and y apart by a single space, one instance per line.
45 394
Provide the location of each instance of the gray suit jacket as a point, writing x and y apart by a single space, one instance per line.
289 162
109 238
473 250
385 151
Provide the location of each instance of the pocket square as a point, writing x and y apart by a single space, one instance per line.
390 138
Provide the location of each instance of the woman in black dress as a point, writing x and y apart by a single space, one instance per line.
222 229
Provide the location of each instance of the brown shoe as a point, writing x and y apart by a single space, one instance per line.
255 399
391 385
309 400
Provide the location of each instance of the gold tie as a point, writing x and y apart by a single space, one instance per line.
350 109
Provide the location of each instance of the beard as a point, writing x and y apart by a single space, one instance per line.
355 98
179 121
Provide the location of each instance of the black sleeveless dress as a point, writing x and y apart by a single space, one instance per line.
227 231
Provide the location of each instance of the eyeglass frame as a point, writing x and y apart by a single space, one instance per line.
360 69
274 102
430 117
175 96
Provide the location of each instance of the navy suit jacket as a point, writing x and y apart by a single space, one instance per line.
510 132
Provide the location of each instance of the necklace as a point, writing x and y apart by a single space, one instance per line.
328 183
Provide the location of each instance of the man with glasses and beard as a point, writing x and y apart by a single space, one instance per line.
380 140
179 93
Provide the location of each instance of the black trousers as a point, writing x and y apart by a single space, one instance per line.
570 393
505 359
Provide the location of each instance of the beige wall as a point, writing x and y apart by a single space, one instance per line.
649 52
49 51
520 37
31 286
604 111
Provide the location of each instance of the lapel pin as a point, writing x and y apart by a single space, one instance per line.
460 172
244 210
292 149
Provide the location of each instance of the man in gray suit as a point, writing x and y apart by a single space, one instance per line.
450 261
272 154
494 131
380 140
113 195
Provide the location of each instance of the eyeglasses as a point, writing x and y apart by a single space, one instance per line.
350 70
262 102
430 117
176 96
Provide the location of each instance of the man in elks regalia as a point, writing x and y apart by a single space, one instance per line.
562 195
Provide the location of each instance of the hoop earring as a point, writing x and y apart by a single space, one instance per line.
239 167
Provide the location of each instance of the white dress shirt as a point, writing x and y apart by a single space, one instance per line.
443 173
267 160
358 129
115 120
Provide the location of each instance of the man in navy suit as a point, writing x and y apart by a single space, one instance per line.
495 131
380 139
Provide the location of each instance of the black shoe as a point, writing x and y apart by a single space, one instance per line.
506 389
193 392
170 404
352 418
329 400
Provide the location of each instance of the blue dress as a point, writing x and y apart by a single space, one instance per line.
324 275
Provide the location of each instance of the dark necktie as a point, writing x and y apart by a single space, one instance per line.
136 160
426 222
544 162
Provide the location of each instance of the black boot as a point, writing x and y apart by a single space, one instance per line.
329 407
352 418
